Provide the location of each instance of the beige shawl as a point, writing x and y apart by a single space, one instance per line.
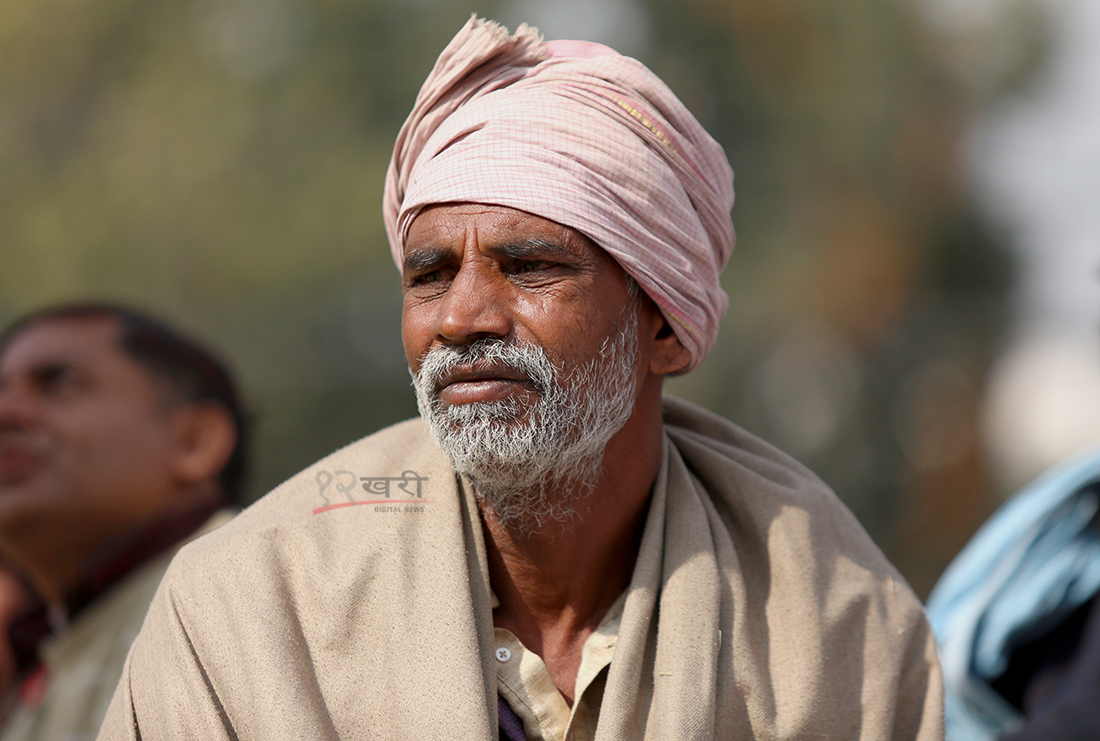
758 609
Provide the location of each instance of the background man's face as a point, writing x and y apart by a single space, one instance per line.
474 272
85 432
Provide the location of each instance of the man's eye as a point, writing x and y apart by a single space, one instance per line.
533 266
427 278
55 378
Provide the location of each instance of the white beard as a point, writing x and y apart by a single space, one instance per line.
529 462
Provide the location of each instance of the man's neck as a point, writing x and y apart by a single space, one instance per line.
50 611
65 558
556 582
576 568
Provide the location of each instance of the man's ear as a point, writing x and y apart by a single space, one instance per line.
668 356
205 438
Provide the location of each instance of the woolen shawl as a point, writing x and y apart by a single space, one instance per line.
758 609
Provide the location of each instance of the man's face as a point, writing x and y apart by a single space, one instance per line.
85 433
522 337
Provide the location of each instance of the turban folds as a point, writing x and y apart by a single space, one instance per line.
575 133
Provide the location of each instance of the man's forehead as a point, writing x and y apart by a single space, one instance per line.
61 339
447 224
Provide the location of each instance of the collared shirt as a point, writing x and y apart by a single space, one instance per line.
81 663
524 682
116 560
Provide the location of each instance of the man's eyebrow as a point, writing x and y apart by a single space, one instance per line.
527 248
424 259
48 370
44 371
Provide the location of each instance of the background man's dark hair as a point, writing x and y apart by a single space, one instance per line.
188 369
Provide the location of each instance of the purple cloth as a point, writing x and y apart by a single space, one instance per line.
511 727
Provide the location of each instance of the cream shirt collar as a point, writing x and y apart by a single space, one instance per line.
525 683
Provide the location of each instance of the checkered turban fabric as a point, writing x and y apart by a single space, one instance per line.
578 134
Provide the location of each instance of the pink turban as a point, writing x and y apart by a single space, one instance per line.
575 133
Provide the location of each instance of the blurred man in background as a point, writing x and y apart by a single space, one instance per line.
1017 616
17 598
119 440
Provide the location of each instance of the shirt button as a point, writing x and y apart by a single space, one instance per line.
503 654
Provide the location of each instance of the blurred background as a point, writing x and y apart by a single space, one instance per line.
915 293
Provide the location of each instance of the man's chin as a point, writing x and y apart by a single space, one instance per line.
530 503
455 416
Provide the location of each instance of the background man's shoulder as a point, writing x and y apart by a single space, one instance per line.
386 465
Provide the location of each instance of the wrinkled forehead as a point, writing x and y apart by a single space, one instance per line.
489 220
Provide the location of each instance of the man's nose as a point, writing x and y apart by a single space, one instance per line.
477 306
17 408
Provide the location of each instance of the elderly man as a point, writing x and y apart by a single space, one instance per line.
553 550
119 439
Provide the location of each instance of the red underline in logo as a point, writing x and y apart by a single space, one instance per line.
319 510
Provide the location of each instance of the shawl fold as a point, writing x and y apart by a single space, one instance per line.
758 608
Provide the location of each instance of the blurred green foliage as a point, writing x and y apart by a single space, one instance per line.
221 164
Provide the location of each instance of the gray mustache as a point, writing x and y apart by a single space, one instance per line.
527 359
